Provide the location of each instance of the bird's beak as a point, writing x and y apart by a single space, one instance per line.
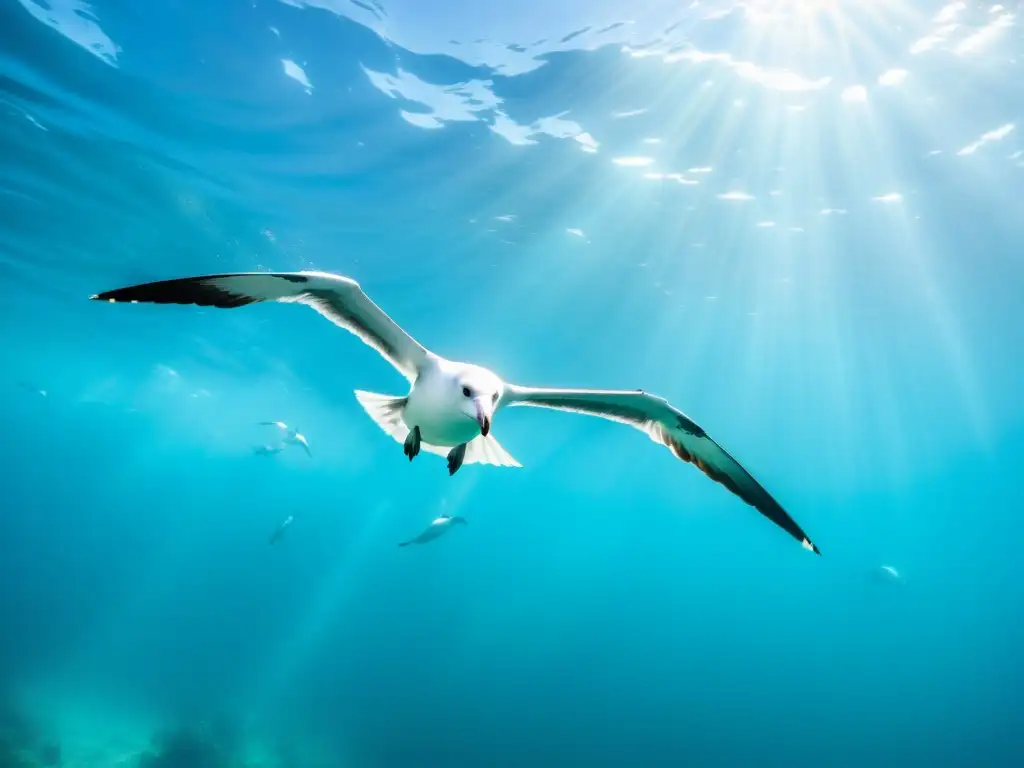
483 416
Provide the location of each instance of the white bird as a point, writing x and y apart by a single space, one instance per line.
451 405
438 526
292 437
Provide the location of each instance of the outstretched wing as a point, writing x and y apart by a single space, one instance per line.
669 426
337 298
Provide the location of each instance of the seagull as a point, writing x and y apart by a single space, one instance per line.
438 526
291 436
451 405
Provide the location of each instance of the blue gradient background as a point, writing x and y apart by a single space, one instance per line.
607 605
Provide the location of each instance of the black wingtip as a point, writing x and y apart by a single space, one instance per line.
201 291
113 297
808 544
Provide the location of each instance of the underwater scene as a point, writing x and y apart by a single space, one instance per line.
482 384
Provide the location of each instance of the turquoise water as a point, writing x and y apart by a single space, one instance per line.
799 222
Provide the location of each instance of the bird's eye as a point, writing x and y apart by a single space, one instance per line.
467 392
494 397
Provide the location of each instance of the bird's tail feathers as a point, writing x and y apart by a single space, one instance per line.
487 450
386 412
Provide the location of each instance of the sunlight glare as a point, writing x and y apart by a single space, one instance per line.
855 93
783 12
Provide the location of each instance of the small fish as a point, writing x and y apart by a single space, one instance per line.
267 450
292 437
279 532
32 388
437 527
887 574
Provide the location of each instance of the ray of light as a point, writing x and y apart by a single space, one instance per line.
339 590
869 137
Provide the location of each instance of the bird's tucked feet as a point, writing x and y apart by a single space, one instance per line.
455 458
412 443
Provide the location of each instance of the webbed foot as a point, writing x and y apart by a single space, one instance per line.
455 458
412 443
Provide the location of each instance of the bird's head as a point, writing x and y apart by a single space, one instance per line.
478 393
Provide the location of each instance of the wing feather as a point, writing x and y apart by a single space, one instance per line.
670 427
338 298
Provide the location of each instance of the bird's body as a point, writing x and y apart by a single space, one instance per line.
450 406
430 405
426 408
438 416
